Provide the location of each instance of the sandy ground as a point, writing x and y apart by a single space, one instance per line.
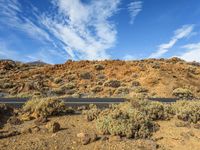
169 137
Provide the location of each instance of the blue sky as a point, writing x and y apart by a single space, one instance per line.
56 30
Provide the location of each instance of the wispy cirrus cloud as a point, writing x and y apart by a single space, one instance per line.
183 32
82 31
134 9
192 52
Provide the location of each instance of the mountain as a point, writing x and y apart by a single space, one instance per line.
38 62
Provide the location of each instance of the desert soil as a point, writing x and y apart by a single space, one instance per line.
152 77
169 137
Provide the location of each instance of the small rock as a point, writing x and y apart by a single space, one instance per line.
104 138
196 126
53 127
87 138
81 135
41 121
26 131
157 138
93 137
14 121
114 138
35 129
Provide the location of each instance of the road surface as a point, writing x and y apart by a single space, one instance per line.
72 102
76 102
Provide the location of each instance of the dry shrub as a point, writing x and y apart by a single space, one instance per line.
183 93
155 110
86 75
113 83
124 120
92 113
45 107
187 110
99 67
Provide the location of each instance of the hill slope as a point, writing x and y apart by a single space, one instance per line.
109 78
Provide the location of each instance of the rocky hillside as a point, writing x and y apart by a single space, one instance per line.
109 78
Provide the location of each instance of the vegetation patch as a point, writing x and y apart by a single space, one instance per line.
112 83
155 110
187 110
182 93
92 113
124 120
44 107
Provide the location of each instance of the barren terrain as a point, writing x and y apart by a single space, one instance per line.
151 77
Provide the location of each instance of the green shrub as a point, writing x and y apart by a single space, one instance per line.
155 110
44 107
187 110
182 93
92 113
86 75
97 89
122 91
124 120
99 67
112 83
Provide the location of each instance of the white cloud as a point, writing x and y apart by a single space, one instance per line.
129 57
184 32
85 31
82 30
192 53
134 9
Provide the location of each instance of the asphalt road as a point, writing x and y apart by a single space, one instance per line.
72 102
76 102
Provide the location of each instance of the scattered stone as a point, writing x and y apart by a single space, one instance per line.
93 137
53 127
26 131
196 126
157 138
104 138
41 121
87 138
14 121
35 129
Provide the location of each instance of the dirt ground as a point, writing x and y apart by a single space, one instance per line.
152 77
168 137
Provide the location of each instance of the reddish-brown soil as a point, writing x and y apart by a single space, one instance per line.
168 137
156 78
